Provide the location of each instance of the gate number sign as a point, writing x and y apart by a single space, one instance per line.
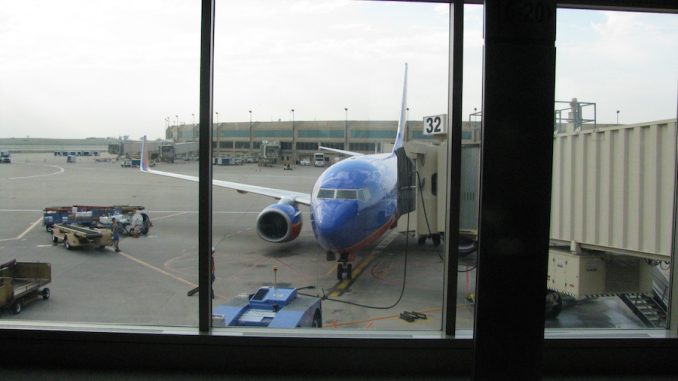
435 125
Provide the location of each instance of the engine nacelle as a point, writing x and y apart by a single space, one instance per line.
279 223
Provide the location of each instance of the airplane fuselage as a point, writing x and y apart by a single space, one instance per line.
354 202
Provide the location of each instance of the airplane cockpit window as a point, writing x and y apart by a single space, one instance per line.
347 194
364 194
325 193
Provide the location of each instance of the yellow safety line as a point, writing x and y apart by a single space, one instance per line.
20 236
150 266
338 290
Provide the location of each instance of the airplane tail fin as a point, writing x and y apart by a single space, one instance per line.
400 136
143 165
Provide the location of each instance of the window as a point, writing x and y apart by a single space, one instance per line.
614 141
274 58
307 146
69 91
234 213
325 193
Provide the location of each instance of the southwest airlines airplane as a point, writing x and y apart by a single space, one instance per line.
353 203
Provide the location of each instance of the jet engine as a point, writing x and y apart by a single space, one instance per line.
279 223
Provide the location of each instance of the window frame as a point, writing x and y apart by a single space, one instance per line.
140 347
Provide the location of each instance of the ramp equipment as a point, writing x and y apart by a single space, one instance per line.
20 284
271 307
133 219
75 236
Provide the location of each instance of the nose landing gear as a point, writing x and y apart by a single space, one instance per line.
344 267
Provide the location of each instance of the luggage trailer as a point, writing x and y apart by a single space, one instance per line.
20 284
75 236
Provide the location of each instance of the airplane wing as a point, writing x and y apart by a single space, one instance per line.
341 151
298 197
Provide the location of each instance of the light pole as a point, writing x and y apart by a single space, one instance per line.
617 117
217 119
251 136
346 128
294 146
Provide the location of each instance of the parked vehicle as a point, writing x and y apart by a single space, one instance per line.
20 283
5 157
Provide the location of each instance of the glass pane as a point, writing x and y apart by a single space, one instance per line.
325 193
470 165
346 194
614 170
82 82
295 76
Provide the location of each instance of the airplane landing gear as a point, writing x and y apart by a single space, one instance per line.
343 267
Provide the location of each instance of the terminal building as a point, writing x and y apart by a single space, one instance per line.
299 140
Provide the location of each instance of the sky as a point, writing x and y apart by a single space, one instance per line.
109 68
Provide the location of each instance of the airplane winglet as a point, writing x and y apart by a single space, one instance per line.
400 136
143 165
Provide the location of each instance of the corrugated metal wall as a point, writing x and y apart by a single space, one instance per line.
613 188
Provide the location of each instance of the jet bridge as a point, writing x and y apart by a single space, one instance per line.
428 218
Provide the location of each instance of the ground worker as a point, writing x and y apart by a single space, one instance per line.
116 235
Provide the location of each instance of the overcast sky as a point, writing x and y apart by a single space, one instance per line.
82 68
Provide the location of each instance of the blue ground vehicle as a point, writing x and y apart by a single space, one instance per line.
271 307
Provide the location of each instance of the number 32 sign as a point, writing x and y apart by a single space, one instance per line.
435 125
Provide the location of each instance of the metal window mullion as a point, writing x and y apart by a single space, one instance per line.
455 83
205 166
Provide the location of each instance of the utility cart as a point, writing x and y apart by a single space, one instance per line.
76 236
20 283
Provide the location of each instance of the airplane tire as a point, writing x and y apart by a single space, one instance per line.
340 271
317 320
45 293
349 271
66 244
55 239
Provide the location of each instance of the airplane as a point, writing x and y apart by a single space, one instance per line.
352 204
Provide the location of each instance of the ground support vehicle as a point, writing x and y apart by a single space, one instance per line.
5 157
130 163
272 307
75 236
20 283
319 159
132 219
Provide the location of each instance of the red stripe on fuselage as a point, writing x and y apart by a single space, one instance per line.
391 223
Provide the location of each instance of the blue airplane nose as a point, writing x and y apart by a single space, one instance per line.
334 223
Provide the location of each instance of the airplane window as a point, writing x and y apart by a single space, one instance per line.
364 194
347 194
326 193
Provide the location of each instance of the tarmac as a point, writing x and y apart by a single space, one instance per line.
146 284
